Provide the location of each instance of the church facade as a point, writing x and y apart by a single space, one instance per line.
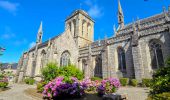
136 50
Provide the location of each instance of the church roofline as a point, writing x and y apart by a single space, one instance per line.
45 43
77 12
144 20
129 25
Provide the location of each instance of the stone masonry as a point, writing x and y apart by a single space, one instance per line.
132 52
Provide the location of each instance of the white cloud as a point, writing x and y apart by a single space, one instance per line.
94 10
32 44
88 2
20 42
9 6
8 36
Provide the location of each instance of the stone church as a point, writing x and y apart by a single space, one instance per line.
135 51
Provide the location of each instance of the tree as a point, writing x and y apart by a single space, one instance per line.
1 53
2 50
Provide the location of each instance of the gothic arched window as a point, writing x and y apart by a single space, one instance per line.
43 52
83 27
33 55
43 57
74 23
121 59
65 59
70 26
157 60
88 29
98 67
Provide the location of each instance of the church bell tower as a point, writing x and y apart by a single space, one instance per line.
81 27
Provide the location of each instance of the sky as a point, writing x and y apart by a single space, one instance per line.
20 19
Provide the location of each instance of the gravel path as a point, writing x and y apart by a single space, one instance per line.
134 93
16 92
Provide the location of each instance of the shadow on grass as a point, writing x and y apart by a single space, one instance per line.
4 89
38 96
87 96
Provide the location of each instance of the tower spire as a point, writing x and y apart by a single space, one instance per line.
40 28
114 30
39 35
120 16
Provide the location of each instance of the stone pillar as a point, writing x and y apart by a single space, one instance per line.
90 63
93 64
105 67
86 68
137 60
80 64
21 76
137 63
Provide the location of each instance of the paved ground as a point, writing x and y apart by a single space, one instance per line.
17 93
134 93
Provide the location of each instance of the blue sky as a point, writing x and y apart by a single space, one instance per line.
20 19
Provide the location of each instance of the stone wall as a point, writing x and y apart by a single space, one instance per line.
77 39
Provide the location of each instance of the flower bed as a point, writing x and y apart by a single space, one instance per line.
3 82
108 86
61 87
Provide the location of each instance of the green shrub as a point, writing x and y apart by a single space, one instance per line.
29 81
146 82
162 96
3 81
70 71
160 84
40 86
133 82
3 84
96 78
161 81
124 81
1 76
50 71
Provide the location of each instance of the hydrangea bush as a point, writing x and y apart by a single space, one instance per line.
59 88
108 86
90 85
75 88
3 82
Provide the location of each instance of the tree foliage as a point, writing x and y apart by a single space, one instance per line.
71 71
161 80
50 71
